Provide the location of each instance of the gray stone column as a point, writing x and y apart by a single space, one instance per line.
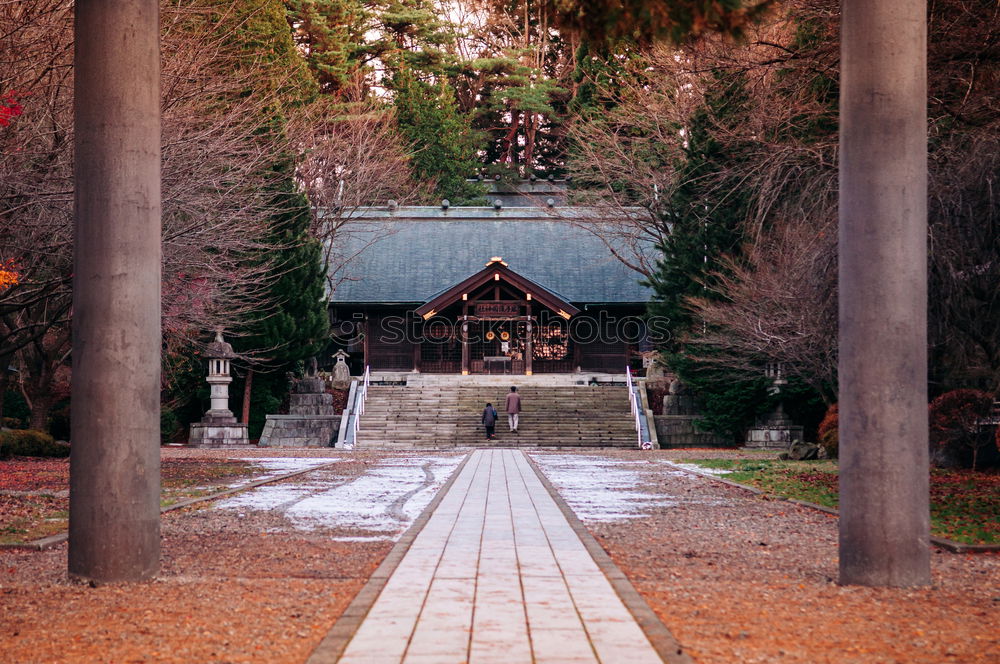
884 523
114 522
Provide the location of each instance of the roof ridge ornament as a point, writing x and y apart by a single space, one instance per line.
496 259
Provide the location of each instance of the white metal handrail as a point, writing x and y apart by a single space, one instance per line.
359 402
636 408
357 409
633 406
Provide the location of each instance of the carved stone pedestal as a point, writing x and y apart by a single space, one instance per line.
310 422
774 432
676 427
216 431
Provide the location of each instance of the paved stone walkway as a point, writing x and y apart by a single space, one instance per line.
498 575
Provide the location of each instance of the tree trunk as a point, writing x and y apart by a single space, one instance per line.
40 363
41 407
530 129
511 139
247 386
114 507
884 513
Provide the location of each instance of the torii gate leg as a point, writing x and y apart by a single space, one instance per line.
884 514
114 526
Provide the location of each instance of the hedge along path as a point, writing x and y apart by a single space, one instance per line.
59 538
940 542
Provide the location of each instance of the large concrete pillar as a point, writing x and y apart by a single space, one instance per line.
114 521
884 522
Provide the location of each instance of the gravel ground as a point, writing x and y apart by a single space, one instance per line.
737 579
235 586
740 579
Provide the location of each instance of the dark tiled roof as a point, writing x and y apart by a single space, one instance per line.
420 251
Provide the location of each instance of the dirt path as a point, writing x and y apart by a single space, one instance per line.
739 579
236 585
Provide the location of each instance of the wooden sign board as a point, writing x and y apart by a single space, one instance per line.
497 309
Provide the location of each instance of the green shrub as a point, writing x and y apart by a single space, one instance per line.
15 410
27 442
828 433
171 428
59 425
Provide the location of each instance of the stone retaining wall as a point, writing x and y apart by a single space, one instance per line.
679 431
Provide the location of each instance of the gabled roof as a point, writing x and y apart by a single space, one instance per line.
410 254
497 269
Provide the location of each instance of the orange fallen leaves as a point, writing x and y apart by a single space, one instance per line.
9 275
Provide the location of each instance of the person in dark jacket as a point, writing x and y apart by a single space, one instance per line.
489 420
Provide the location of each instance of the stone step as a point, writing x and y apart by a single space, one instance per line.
586 394
480 435
448 416
539 440
417 416
610 419
499 396
525 430
392 444
581 391
417 409
623 394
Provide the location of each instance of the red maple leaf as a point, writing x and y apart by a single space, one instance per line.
9 108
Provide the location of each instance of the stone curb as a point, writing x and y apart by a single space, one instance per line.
948 545
59 538
335 642
659 636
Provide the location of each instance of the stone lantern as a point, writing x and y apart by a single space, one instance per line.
341 372
219 428
776 430
218 355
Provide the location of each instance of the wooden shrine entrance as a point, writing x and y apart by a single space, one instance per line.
496 321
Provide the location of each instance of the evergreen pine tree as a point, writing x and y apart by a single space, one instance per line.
443 143
295 326
327 33
706 214
518 108
599 70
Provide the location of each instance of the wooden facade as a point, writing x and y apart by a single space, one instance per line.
413 288
495 321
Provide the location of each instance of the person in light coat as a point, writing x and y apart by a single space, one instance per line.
513 408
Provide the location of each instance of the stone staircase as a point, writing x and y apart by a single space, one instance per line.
445 416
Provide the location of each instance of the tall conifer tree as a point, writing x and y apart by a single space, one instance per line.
297 325
444 146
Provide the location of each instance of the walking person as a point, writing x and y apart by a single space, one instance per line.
490 420
513 408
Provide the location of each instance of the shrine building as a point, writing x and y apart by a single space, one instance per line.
525 286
